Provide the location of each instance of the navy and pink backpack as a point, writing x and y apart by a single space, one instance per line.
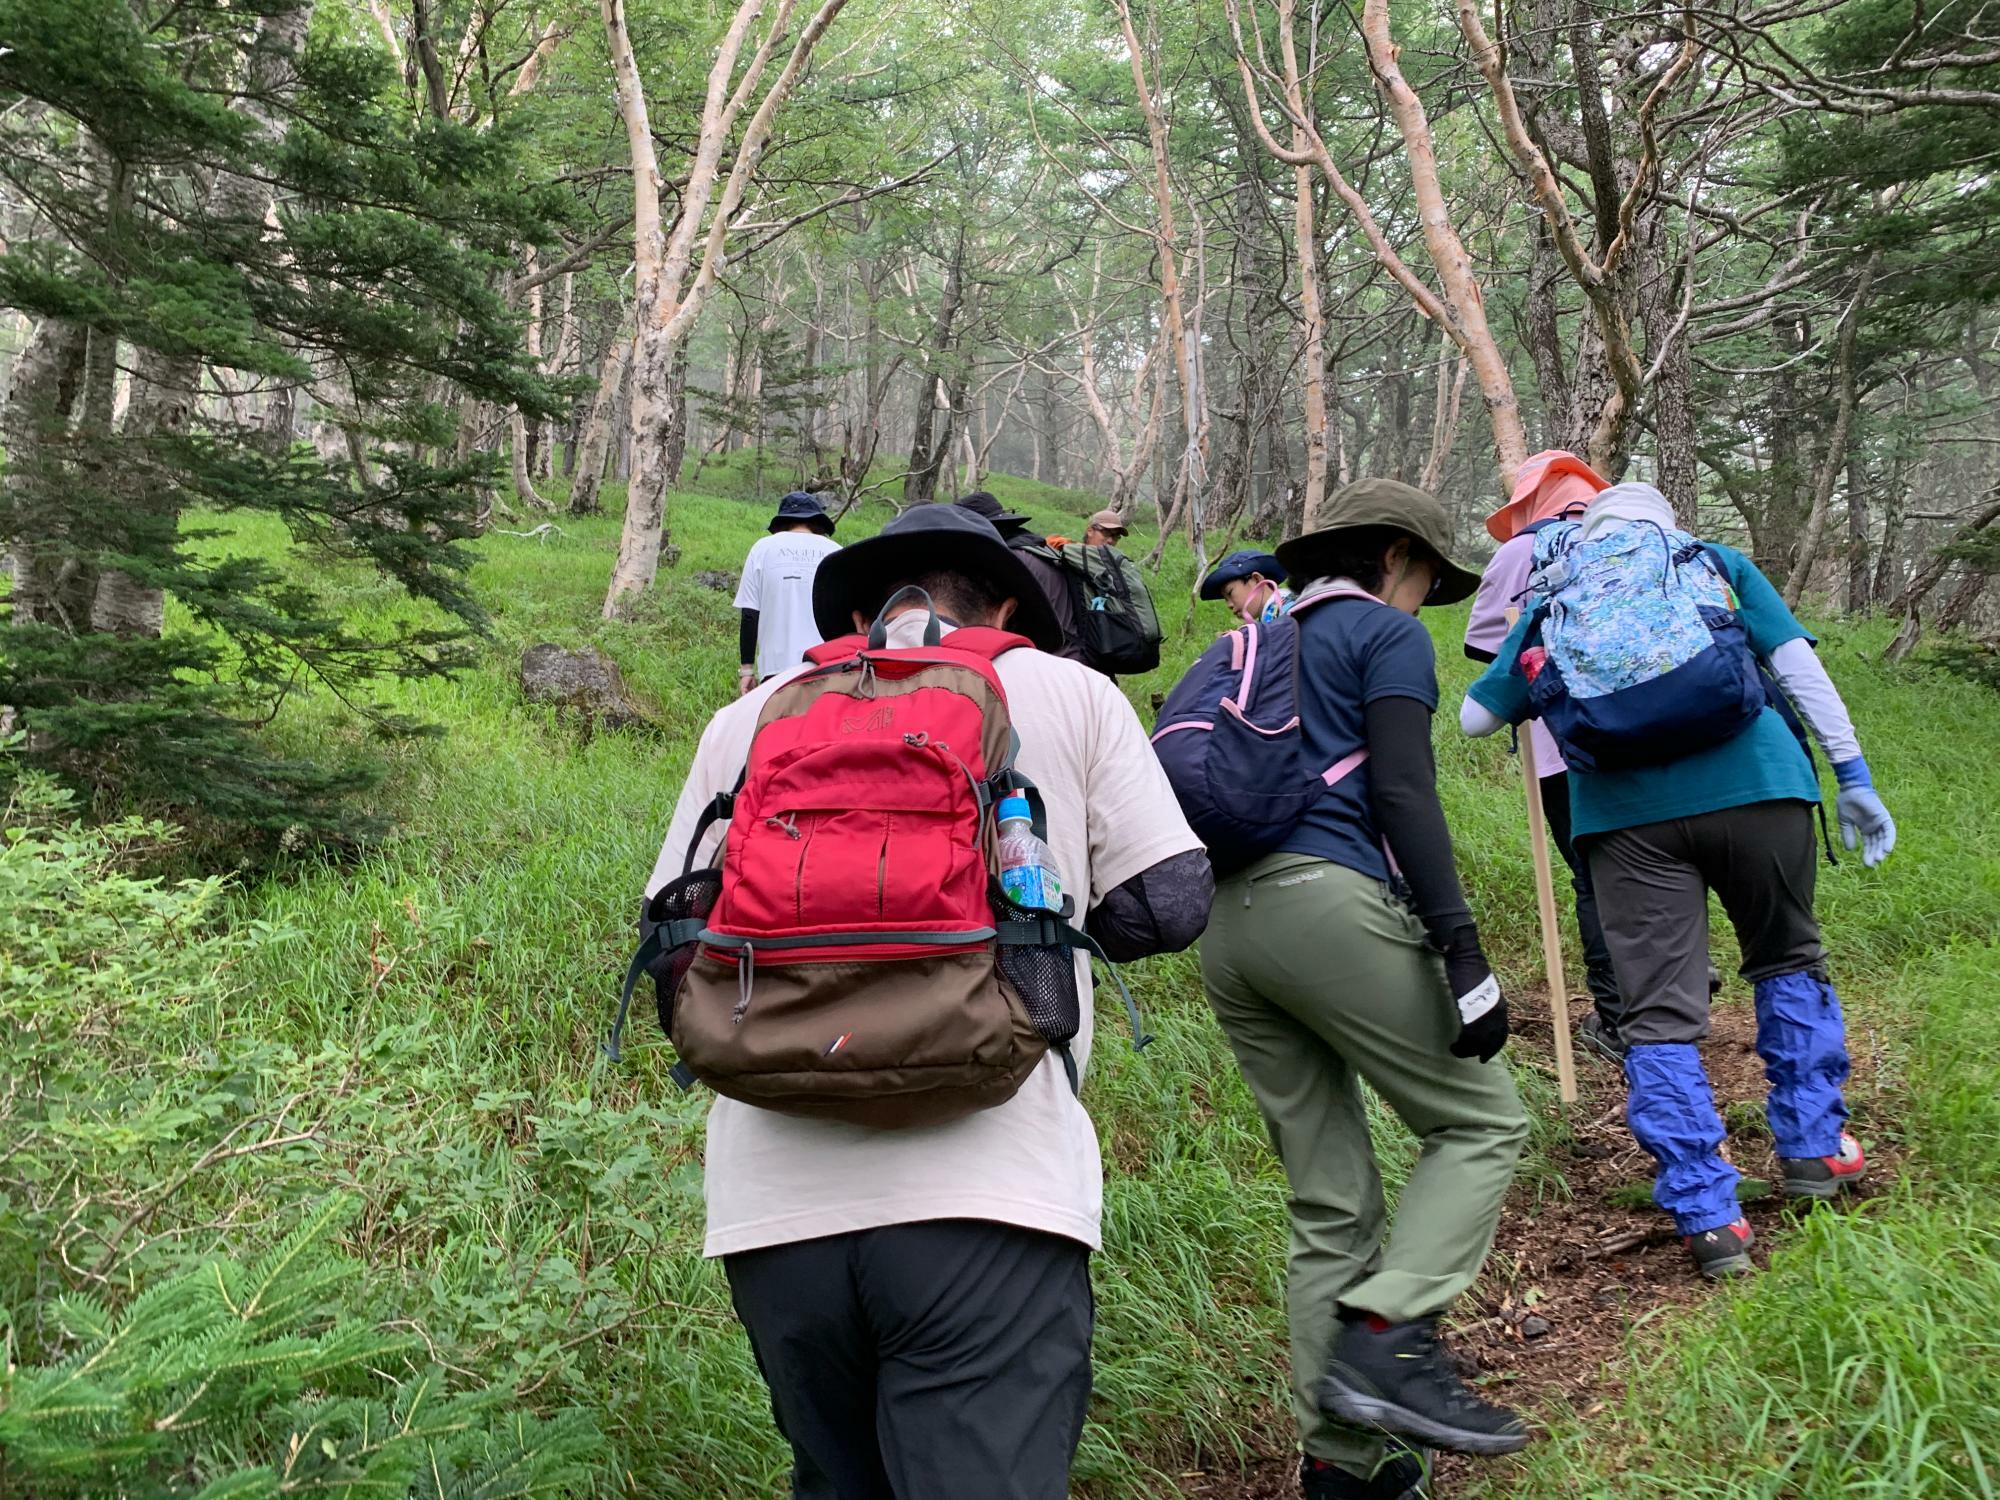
1231 743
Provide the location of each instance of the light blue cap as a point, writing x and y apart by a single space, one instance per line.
1012 807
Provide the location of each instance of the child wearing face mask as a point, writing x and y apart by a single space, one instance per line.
1251 583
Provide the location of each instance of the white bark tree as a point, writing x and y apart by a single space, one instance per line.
672 285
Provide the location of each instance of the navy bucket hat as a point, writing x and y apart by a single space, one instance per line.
801 506
1239 565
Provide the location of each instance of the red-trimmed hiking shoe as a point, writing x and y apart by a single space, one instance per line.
1824 1176
1721 1252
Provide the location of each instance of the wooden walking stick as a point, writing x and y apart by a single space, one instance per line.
1545 899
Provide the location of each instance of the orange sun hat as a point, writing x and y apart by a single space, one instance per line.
1548 484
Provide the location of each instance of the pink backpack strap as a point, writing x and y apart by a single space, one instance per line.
1345 767
1331 591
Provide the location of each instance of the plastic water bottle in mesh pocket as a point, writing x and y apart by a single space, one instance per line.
1043 975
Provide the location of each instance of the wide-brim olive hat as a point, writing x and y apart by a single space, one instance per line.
1392 505
928 539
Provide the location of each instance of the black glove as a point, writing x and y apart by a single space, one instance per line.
1482 1009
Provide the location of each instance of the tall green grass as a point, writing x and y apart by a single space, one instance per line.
537 1216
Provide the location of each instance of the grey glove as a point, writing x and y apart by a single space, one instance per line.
1863 817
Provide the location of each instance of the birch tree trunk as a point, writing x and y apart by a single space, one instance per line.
1857 532
674 448
48 376
927 451
1447 251
1459 308
595 447
517 423
1312 340
1834 461
672 285
1193 475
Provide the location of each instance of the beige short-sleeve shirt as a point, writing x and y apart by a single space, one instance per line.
772 1179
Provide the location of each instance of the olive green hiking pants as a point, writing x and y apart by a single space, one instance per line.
1321 978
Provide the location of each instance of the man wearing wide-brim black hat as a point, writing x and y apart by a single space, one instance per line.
919 1300
1350 954
980 580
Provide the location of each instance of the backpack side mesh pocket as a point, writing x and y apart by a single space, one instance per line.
688 899
670 928
1043 973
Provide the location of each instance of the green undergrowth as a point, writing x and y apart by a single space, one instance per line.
417 1025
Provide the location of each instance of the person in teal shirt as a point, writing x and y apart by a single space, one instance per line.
1735 818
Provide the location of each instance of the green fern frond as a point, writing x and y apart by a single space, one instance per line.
263 1285
245 1484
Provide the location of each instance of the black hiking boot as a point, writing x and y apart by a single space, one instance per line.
1403 1476
1600 1038
1722 1252
1398 1378
1825 1176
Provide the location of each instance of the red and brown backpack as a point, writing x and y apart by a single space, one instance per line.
854 957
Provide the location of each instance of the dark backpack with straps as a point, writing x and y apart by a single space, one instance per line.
853 957
1117 627
1232 745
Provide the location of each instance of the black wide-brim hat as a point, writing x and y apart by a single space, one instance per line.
983 505
1390 505
802 505
928 539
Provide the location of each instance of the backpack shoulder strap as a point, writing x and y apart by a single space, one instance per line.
720 808
840 648
985 641
1320 595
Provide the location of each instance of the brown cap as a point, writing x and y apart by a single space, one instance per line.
1110 520
1392 505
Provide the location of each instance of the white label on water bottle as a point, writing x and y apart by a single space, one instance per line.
1032 886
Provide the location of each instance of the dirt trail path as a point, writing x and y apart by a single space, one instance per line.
1569 1275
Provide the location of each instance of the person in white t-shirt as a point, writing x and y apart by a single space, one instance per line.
775 596
919 1299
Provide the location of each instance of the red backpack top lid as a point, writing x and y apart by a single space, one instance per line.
864 803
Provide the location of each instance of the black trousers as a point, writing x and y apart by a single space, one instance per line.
940 1361
1599 975
1760 859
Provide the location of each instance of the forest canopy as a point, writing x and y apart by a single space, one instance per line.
391 274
